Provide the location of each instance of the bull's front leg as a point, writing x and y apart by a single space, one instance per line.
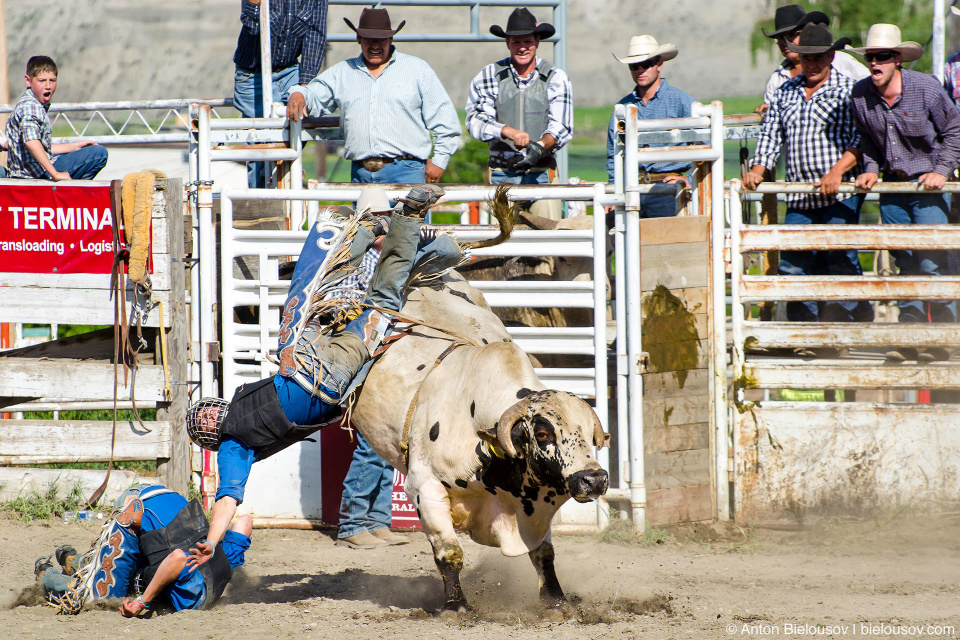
552 601
433 508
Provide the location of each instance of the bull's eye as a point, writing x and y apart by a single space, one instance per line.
543 431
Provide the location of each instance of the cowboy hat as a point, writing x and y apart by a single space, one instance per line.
374 199
643 48
522 23
816 38
792 16
375 23
887 37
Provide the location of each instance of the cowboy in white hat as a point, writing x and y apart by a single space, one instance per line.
788 21
909 132
522 105
655 98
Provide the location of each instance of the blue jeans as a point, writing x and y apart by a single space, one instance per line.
405 171
82 164
659 205
367 502
919 208
835 263
248 99
502 176
299 405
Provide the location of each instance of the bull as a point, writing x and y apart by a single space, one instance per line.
486 448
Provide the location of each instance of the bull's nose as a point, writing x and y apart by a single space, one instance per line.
595 481
592 484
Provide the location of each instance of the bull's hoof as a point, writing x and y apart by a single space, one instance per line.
451 616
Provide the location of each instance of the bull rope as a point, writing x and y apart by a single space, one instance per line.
408 419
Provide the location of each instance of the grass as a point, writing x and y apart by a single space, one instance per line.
620 531
44 506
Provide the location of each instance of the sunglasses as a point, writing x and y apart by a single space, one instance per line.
646 64
790 36
883 56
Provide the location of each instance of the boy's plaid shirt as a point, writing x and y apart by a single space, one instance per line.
28 122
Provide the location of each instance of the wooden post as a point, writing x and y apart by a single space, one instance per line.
175 471
704 188
769 260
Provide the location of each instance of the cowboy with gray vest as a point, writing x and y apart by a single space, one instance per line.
521 105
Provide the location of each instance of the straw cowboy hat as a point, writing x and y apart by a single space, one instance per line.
375 23
887 37
792 16
816 38
642 48
522 23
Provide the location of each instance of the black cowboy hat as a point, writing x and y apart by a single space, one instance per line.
522 23
817 38
375 23
792 16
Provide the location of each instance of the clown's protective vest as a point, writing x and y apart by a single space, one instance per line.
526 110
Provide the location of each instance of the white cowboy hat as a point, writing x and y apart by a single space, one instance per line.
887 38
374 198
642 48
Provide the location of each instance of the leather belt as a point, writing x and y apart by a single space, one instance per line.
647 178
374 164
899 176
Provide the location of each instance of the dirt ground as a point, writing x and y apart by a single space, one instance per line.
829 580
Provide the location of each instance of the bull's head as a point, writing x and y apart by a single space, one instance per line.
552 432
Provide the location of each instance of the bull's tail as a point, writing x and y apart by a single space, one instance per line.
506 214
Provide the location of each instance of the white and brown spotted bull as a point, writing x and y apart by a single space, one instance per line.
490 451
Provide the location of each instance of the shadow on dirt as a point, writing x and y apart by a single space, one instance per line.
423 592
421 597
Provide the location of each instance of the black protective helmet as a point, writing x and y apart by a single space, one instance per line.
204 418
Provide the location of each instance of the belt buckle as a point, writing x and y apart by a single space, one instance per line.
372 164
644 176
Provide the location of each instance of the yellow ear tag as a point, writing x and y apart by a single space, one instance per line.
494 451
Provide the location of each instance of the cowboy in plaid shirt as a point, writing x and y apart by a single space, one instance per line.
522 106
811 120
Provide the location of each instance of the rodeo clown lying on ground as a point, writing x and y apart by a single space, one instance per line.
147 536
328 333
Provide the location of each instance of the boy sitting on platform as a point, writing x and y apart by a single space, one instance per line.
31 152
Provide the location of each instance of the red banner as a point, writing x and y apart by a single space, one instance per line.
55 229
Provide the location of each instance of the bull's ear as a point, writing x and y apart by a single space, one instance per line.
600 439
500 436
